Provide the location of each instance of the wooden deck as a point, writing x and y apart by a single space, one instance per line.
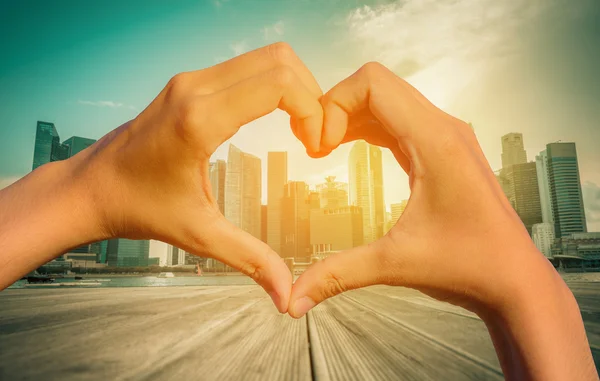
234 333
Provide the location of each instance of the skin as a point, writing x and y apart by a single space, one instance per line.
459 240
148 179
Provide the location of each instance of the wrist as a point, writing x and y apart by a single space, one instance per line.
537 328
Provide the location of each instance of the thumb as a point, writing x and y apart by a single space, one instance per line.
242 251
358 267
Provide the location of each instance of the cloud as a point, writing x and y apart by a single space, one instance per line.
6 181
239 47
591 201
219 3
271 32
110 104
439 44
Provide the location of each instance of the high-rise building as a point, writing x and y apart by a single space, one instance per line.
295 224
513 150
541 162
243 190
523 192
341 228
277 177
565 189
397 210
76 144
543 237
366 188
333 194
47 144
123 252
217 172
175 256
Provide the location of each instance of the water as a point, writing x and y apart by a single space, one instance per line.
207 280
143 281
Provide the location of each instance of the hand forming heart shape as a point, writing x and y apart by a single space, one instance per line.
458 240
150 180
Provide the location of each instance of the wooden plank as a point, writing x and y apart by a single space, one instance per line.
364 337
162 333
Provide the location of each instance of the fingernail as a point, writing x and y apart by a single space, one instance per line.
276 299
303 305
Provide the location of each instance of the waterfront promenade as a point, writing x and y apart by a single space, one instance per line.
234 333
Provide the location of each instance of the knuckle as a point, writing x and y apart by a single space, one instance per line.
253 270
178 83
334 285
281 52
372 69
190 113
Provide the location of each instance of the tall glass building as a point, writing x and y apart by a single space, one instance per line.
366 188
565 189
243 190
76 144
277 177
123 252
47 142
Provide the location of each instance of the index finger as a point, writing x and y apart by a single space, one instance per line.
261 60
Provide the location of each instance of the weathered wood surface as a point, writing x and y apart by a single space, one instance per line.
234 333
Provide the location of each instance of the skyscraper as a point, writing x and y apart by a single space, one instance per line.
217 172
295 224
541 162
175 256
243 190
523 193
333 194
277 177
342 228
543 237
47 145
565 189
123 252
77 144
513 150
366 188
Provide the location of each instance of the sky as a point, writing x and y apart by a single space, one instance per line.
529 66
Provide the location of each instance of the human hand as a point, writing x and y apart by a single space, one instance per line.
459 240
149 178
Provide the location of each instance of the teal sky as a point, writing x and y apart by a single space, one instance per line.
531 66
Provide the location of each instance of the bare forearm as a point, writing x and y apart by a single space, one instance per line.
541 335
43 215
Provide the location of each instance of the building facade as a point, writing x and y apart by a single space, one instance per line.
565 189
243 191
541 162
295 227
513 150
543 237
47 145
336 228
366 188
76 144
332 194
523 193
123 252
277 177
217 172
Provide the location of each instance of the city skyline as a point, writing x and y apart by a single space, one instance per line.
307 223
533 73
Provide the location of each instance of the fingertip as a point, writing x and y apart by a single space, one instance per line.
301 307
281 306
